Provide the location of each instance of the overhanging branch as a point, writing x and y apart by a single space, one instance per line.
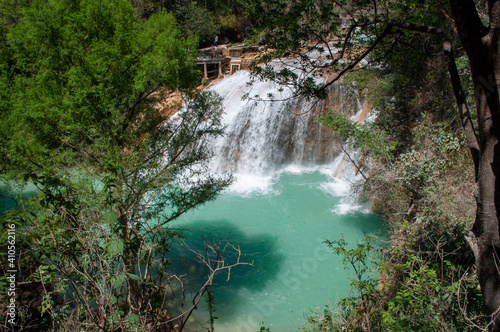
361 57
470 133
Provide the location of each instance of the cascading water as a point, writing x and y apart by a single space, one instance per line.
263 136
290 195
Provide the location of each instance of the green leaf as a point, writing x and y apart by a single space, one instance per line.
134 276
115 248
119 281
133 318
110 217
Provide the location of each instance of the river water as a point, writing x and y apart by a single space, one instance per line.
280 227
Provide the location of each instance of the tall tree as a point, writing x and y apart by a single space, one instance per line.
80 119
331 38
482 45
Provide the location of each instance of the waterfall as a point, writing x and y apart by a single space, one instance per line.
263 136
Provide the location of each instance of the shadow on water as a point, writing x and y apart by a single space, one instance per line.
367 223
261 249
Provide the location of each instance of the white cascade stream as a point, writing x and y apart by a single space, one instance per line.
263 136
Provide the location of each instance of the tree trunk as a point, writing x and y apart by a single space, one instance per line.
482 47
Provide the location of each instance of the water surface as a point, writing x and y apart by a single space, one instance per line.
280 222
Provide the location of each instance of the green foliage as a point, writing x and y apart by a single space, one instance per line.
223 18
79 120
84 72
412 293
364 136
360 260
228 21
211 307
429 174
373 84
111 259
431 257
432 297
438 151
263 328
194 19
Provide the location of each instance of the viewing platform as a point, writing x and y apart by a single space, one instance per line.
224 60
209 60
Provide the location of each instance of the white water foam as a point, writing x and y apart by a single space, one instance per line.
340 185
246 184
252 183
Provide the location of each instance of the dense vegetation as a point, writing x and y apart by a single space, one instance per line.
80 83
231 21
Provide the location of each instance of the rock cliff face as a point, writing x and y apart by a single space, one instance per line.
169 103
262 135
